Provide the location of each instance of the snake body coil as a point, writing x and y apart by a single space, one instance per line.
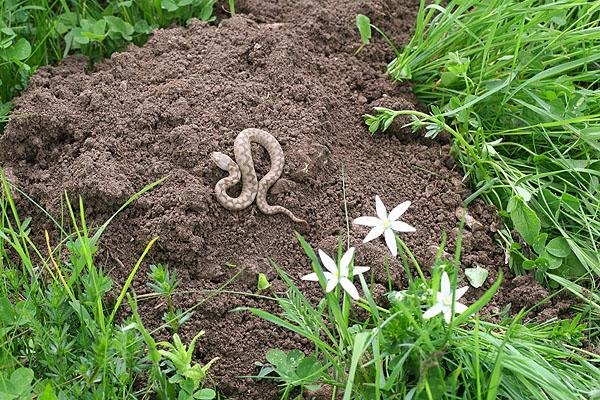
243 169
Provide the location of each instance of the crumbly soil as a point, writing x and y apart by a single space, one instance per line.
288 67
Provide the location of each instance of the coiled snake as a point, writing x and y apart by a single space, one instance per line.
243 169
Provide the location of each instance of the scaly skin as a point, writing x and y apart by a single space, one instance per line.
243 168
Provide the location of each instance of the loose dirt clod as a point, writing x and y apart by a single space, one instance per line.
287 67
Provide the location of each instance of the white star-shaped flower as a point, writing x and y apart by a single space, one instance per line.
444 301
338 274
385 224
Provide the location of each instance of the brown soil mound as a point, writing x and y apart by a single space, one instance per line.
287 67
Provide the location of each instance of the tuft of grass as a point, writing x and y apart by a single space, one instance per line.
516 84
60 336
392 352
35 33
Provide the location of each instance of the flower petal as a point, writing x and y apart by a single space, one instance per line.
460 308
367 221
359 270
349 288
433 311
374 233
331 284
380 208
311 277
460 292
345 261
328 262
447 314
400 226
445 285
399 210
390 241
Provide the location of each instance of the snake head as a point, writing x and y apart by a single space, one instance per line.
223 161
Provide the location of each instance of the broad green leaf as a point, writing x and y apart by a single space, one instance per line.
99 27
553 262
276 357
7 313
205 394
21 50
524 193
47 393
558 247
206 13
308 368
168 5
571 267
539 245
21 380
77 36
363 23
8 31
117 25
24 313
263 282
524 219
141 26
294 357
448 78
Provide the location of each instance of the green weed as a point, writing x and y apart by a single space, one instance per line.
395 352
516 85
59 334
40 32
164 282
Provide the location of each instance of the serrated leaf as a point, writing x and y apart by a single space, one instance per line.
363 23
476 276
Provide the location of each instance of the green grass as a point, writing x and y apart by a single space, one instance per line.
60 336
394 353
517 85
35 33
